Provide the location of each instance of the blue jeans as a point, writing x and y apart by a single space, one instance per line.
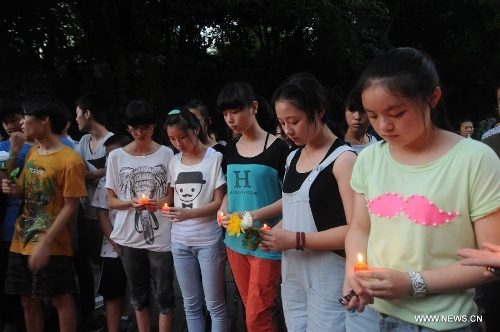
390 323
367 321
198 269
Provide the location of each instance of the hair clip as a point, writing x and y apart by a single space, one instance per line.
176 111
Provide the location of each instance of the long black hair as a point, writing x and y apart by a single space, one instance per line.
240 95
408 73
308 95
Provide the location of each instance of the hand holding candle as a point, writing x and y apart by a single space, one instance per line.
219 217
360 265
165 208
143 199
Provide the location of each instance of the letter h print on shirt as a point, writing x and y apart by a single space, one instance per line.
241 178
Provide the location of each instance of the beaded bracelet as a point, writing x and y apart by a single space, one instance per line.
300 240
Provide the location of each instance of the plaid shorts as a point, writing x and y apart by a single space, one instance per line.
57 278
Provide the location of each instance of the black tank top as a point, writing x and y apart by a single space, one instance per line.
325 200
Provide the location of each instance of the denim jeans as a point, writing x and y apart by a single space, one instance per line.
367 321
198 269
389 323
311 285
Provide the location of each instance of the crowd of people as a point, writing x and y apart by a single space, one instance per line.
371 229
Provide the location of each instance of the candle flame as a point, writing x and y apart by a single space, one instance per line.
265 225
360 258
221 214
165 206
143 195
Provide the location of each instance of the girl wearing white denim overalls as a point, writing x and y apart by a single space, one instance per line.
315 213
311 279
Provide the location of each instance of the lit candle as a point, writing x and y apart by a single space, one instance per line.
360 266
265 227
165 208
219 217
144 199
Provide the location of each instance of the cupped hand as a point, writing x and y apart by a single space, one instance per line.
6 186
277 239
223 218
9 187
136 204
362 298
178 214
385 284
151 205
17 140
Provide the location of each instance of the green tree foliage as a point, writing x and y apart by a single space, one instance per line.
171 51
463 37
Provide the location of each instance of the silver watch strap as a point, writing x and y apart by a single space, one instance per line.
418 284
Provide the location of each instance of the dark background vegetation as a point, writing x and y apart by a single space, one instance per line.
171 51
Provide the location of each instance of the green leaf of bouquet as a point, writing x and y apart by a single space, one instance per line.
13 174
251 239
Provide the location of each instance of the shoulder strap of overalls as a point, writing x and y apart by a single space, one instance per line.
327 161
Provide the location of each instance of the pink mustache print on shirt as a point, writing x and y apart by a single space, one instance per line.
417 208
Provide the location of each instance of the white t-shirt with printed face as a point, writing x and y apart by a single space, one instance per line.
99 201
131 177
193 188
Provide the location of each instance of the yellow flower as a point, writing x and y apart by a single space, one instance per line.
234 227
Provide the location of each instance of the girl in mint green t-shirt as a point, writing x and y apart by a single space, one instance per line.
421 194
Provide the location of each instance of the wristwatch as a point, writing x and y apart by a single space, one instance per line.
418 284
